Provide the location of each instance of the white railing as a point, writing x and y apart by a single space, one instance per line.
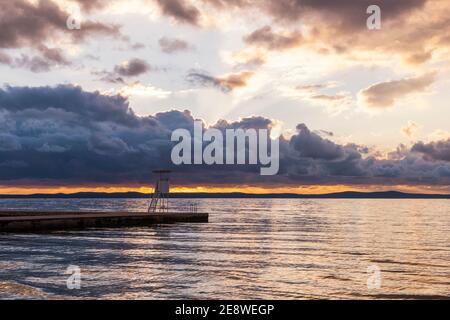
190 208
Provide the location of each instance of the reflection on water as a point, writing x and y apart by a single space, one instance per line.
251 248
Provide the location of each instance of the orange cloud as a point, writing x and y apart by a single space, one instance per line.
226 83
385 94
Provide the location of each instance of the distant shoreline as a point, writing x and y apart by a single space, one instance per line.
234 195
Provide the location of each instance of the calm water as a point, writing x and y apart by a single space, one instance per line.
250 249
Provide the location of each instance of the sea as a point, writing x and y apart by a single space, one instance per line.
249 249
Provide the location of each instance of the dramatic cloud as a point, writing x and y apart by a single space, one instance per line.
66 136
347 14
385 94
439 150
25 23
171 45
32 24
339 27
9 142
311 145
225 83
282 64
180 10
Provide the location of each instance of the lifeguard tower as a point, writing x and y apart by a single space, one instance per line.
160 197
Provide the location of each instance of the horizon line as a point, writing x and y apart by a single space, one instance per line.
237 193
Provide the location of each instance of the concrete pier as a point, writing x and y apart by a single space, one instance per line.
14 221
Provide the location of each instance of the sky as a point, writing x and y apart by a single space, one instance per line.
92 108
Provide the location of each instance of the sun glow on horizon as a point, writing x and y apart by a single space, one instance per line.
311 189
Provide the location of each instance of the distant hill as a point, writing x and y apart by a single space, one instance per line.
138 195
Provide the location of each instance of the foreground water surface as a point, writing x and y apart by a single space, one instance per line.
250 249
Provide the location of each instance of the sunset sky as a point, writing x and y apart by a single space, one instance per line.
92 109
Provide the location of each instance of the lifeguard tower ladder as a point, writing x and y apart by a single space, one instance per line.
160 200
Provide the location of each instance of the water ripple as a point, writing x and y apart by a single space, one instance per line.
250 249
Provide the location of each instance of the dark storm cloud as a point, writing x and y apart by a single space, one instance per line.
180 10
254 122
71 136
225 83
66 136
9 142
438 150
311 145
68 102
